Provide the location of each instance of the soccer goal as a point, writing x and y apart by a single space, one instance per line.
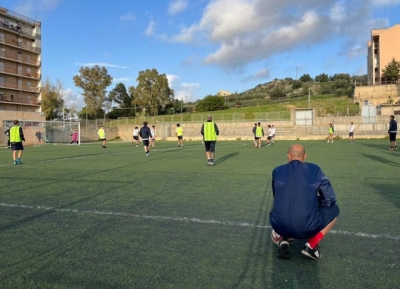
48 132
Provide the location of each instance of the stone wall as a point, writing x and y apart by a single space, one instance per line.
377 94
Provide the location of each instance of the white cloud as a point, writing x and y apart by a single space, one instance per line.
129 16
101 64
245 31
33 8
385 2
183 91
262 74
177 6
122 79
72 99
150 28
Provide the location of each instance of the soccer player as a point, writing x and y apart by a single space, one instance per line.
102 136
304 205
74 137
145 134
392 133
273 134
270 135
259 135
209 131
16 139
135 136
7 133
351 132
254 133
179 135
153 136
331 130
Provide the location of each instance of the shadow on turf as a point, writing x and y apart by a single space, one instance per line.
226 157
388 191
381 160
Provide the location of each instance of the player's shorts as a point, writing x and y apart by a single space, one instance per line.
327 215
145 142
257 137
392 136
210 146
180 137
103 139
17 146
351 133
269 137
135 137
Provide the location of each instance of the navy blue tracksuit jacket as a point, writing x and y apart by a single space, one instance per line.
299 190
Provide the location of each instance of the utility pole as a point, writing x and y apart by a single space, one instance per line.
296 72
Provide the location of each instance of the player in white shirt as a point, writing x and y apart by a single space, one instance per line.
273 133
351 132
135 136
153 137
270 135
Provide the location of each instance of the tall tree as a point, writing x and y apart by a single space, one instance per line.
391 72
120 101
305 78
94 82
152 93
323 77
52 102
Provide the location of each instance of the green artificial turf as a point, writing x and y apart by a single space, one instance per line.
87 217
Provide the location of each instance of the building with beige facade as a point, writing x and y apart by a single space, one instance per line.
20 67
383 47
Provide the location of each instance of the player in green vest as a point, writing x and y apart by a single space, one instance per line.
331 130
16 139
102 136
209 130
259 135
179 134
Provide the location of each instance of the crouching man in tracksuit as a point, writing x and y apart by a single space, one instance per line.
304 204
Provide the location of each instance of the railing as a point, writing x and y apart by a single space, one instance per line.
22 58
20 87
18 16
18 100
17 28
13 42
19 72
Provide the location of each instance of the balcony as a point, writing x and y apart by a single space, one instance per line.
20 87
19 44
19 100
15 71
18 57
18 16
22 30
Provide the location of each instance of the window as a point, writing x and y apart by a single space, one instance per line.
1 66
28 71
366 102
1 37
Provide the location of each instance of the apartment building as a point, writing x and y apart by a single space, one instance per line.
383 47
20 67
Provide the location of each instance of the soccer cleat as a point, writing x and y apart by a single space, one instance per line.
211 163
314 254
19 161
276 238
15 163
283 250
179 146
268 144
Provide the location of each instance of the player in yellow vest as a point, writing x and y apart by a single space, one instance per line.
209 130
102 136
16 139
179 134
330 133
259 135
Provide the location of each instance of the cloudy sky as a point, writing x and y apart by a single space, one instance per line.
204 46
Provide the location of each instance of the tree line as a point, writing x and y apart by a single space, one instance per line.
151 96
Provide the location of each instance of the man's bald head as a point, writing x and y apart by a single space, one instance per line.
296 152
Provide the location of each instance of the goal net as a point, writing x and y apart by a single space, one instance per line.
48 132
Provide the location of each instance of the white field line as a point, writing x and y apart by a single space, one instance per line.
185 219
121 153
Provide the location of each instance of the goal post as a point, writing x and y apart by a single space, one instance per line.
47 132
